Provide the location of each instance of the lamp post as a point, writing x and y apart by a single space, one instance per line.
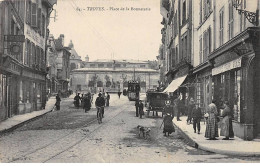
252 17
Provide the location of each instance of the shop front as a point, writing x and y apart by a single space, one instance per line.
236 79
203 85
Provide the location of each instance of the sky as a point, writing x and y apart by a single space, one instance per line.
109 34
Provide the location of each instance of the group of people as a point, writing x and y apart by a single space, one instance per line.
85 101
213 120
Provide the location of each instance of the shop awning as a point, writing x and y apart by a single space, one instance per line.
175 84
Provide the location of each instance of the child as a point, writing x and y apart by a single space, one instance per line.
196 115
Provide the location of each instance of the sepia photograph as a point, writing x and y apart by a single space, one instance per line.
129 81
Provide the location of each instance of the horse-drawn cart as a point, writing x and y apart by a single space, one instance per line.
156 102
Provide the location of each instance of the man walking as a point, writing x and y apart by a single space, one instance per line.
108 98
137 108
196 115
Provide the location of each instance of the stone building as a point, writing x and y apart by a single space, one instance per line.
224 53
112 75
23 35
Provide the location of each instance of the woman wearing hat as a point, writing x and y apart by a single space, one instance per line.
226 128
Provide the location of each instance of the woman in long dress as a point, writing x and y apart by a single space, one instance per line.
211 122
226 128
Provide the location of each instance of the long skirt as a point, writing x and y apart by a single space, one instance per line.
211 127
226 128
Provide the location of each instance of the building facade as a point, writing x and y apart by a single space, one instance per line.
112 75
23 61
224 57
63 65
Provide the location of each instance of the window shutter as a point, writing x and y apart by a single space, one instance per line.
27 12
34 15
209 38
25 54
200 53
39 15
200 11
43 25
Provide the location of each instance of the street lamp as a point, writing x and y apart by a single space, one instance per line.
250 16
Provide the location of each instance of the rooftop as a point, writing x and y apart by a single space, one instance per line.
114 70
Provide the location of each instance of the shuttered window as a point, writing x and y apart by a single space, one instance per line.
34 15
39 15
221 26
231 21
201 55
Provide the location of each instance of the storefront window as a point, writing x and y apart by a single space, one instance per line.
237 95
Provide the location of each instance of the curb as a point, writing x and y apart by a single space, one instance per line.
22 123
202 147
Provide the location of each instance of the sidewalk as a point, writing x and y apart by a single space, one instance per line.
17 120
235 147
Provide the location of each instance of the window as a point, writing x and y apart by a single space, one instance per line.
175 24
221 26
100 65
28 52
109 65
39 17
34 15
33 55
231 21
204 46
200 11
200 53
183 11
117 65
92 65
142 66
28 11
43 59
184 47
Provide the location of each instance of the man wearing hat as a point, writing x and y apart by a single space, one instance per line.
100 102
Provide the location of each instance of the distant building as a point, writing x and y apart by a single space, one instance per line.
63 64
112 75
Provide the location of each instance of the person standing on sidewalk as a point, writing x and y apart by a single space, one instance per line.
168 127
57 104
77 100
178 106
226 128
136 107
191 105
108 98
196 116
211 121
141 109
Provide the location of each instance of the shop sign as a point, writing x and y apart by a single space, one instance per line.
36 37
228 66
14 38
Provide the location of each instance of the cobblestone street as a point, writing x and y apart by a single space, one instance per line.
70 135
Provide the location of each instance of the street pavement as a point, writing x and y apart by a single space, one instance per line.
71 135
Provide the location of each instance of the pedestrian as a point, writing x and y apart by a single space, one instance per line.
211 121
226 128
168 108
100 102
168 127
196 116
178 107
77 100
191 105
141 108
108 98
119 93
58 100
136 108
86 103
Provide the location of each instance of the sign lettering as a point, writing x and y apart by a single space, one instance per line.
228 66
